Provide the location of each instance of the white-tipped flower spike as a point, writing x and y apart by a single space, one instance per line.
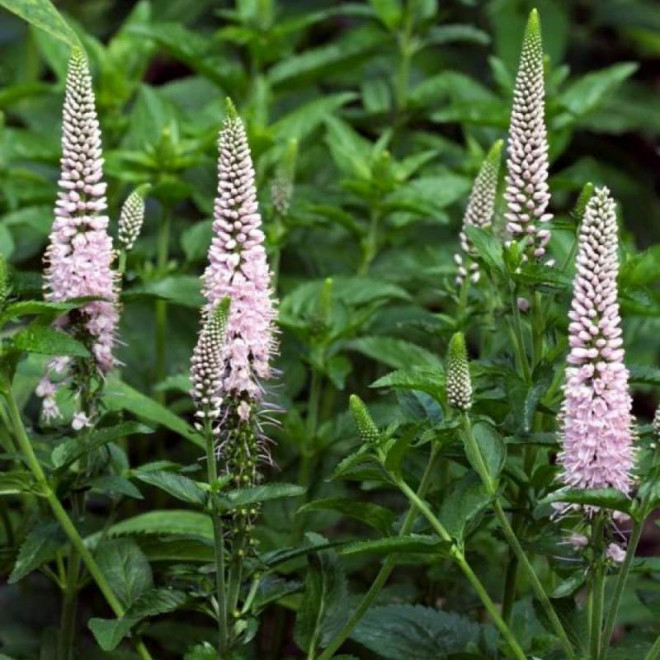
368 431
459 384
238 268
656 422
80 254
527 194
131 218
479 212
596 423
207 363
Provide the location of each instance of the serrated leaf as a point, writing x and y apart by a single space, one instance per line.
171 522
465 501
608 498
247 496
325 590
113 485
120 396
394 632
72 449
43 14
177 485
48 341
38 547
126 569
17 481
424 379
410 543
393 352
109 632
491 452
373 515
487 246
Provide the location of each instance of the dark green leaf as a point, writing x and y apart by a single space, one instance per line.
47 341
126 569
38 547
372 514
176 485
411 543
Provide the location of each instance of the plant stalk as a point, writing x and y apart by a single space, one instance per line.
459 557
388 565
597 588
219 542
63 518
162 258
622 578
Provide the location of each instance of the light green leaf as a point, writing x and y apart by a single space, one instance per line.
395 353
47 341
166 523
424 379
247 496
411 543
126 569
176 485
42 14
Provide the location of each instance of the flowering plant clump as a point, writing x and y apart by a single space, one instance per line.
371 398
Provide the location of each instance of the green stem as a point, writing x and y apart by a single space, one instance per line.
121 266
538 325
519 340
62 516
69 608
458 556
622 578
521 557
162 259
388 565
597 588
370 244
219 542
654 653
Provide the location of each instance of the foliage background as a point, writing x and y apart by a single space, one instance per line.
388 144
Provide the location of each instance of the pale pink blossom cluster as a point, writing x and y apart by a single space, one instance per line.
238 270
596 422
527 193
479 213
79 255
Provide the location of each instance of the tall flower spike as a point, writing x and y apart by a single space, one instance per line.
80 255
527 194
207 363
459 384
596 423
238 268
479 212
131 218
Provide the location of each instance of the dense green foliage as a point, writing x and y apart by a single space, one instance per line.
368 122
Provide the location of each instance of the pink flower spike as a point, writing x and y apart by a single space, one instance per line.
526 193
80 255
596 423
238 269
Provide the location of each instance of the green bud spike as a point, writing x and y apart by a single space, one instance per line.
459 385
494 156
369 433
656 423
219 319
582 201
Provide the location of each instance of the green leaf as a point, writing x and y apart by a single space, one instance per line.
126 569
393 352
247 496
176 485
120 396
39 546
446 34
428 196
487 246
374 515
395 632
424 379
42 14
113 485
466 500
491 452
72 449
196 240
17 481
390 12
588 92
171 522
608 498
184 290
411 543
47 341
325 591
35 308
109 632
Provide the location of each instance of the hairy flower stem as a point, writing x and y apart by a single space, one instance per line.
218 539
63 517
458 556
512 538
162 258
388 565
615 598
